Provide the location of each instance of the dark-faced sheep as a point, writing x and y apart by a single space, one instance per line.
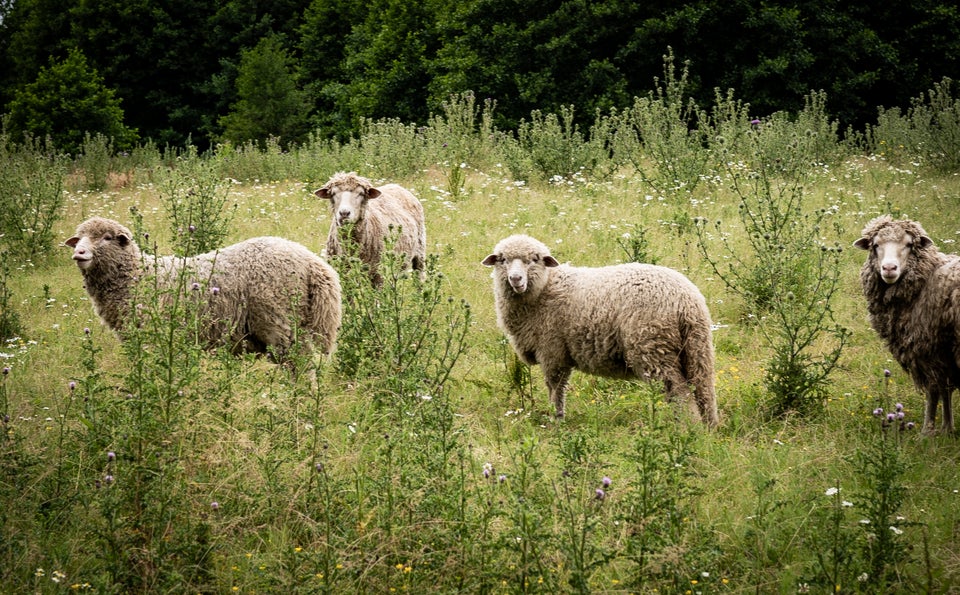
253 289
913 298
626 321
375 213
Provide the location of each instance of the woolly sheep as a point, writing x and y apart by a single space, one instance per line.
913 299
625 321
252 288
373 212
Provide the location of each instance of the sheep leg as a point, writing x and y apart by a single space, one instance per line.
556 379
947 411
934 397
678 392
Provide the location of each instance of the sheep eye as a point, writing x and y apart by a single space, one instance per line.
536 258
108 237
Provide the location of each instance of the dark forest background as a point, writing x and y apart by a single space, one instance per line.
200 72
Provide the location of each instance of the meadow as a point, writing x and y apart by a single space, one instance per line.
426 458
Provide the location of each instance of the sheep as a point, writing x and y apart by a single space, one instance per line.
374 212
913 300
251 289
623 321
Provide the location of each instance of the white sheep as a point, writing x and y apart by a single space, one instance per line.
913 298
374 213
252 290
625 321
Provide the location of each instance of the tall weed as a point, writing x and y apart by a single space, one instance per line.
31 197
195 198
788 275
928 134
667 126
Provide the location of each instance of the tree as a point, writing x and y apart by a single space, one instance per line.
269 104
67 101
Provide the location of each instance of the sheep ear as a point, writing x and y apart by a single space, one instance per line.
323 193
550 261
72 242
373 193
925 241
122 239
489 261
862 243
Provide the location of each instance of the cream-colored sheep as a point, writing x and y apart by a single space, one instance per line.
375 213
253 289
625 321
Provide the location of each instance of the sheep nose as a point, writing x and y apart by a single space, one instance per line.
79 253
889 267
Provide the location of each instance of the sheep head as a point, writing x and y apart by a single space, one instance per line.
520 262
891 244
348 194
99 241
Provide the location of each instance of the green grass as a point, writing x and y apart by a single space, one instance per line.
342 489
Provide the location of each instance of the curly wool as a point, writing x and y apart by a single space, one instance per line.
385 208
918 316
252 288
624 321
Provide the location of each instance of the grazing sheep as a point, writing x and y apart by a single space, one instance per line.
626 321
913 298
251 289
373 212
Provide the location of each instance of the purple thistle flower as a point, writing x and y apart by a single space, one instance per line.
502 478
886 373
195 286
600 494
878 412
72 385
899 406
6 370
214 505
900 415
111 456
86 330
891 417
108 479
192 228
215 290
606 481
910 425
755 122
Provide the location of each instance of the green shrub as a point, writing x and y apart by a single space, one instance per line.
195 198
786 274
31 197
67 102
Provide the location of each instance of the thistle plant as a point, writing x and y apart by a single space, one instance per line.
667 126
31 197
658 498
142 495
195 199
408 332
787 277
880 465
10 325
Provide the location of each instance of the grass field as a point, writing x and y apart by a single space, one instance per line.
206 473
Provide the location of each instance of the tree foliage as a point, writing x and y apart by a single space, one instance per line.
270 104
175 65
66 103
